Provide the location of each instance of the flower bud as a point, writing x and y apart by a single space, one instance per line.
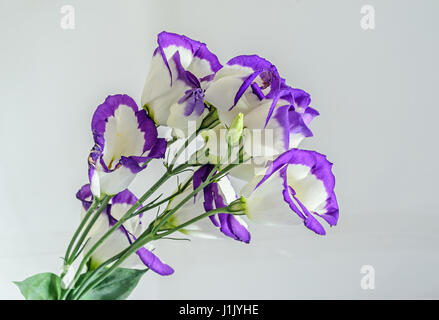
239 205
234 133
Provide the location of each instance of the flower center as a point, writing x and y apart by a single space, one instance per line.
194 99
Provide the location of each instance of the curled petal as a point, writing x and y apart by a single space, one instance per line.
153 262
306 183
85 196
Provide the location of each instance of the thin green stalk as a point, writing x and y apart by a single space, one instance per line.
146 236
104 203
186 199
185 224
210 121
153 230
154 205
182 148
125 217
78 231
141 242
136 245
82 285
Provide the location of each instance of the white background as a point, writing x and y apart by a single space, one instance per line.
376 91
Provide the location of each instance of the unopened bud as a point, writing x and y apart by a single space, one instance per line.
239 205
235 131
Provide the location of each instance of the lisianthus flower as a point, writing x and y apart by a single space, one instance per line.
274 114
180 71
125 138
215 195
297 186
120 239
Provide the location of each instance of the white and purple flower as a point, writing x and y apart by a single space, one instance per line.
125 139
213 196
119 240
297 186
252 86
180 71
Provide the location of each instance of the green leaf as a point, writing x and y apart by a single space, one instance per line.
42 286
117 286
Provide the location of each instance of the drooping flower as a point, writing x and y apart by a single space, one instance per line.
297 186
125 139
215 195
120 239
274 114
180 71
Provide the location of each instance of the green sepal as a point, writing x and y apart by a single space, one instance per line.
147 108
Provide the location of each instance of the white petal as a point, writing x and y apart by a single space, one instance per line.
159 94
247 171
309 190
200 68
133 225
158 80
269 139
266 204
95 185
226 189
115 181
111 246
223 89
122 136
183 125
186 56
114 244
296 139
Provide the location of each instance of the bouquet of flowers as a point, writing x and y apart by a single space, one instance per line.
215 121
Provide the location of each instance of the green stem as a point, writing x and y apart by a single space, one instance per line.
78 231
189 222
210 121
136 245
146 236
182 148
81 287
125 217
89 226
154 205
104 203
186 199
148 232
141 242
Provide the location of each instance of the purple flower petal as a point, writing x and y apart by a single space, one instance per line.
85 196
124 197
321 169
153 262
147 126
262 68
158 151
198 49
